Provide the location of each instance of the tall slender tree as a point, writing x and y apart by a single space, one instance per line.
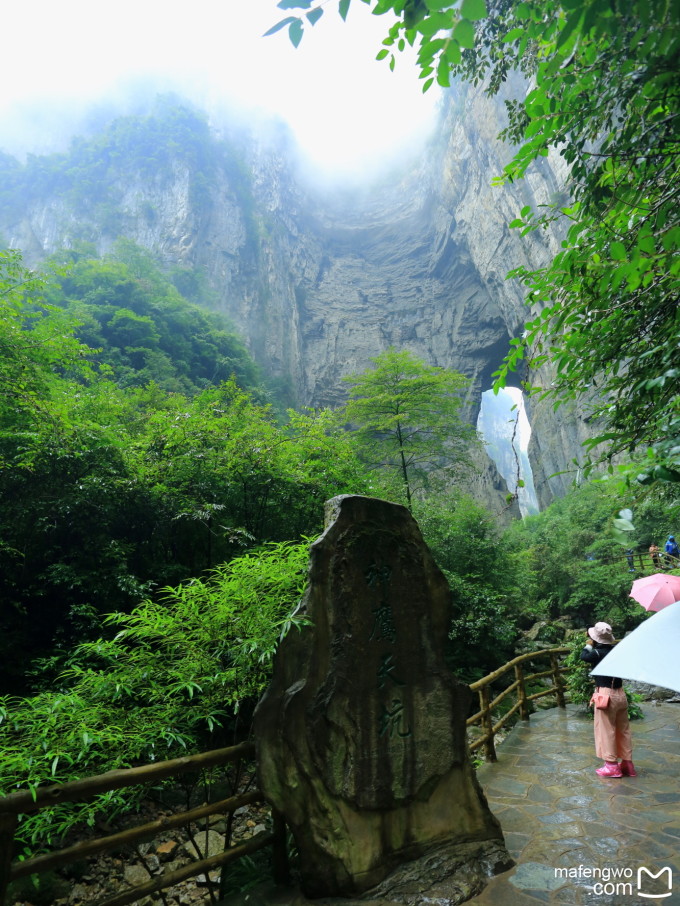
407 420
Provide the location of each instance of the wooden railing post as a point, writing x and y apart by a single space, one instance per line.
280 868
487 724
8 826
521 692
557 679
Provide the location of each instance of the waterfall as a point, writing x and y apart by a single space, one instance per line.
505 429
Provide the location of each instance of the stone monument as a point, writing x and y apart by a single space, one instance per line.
361 736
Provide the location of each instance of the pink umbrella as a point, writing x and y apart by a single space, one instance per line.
657 591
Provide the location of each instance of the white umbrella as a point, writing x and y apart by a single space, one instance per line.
650 654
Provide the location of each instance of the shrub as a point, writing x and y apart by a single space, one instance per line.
174 679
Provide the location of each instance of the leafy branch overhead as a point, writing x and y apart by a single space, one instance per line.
422 21
602 93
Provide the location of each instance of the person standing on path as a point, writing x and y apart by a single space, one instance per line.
611 725
654 552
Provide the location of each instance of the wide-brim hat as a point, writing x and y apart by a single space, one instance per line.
602 633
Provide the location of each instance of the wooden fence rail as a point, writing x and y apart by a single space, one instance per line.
484 717
640 561
26 802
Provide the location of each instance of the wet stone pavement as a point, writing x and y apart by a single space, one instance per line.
578 838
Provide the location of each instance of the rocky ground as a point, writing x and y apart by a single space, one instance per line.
94 880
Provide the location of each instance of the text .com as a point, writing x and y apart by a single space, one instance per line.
643 882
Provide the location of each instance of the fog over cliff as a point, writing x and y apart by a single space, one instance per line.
317 278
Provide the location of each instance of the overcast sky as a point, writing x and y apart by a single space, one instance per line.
343 106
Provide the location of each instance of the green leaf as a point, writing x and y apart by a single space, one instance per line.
568 31
464 33
452 53
513 34
443 73
473 9
279 26
343 8
314 15
617 250
434 23
295 32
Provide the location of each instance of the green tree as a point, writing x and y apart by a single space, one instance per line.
406 418
141 326
37 349
65 487
604 95
579 570
488 583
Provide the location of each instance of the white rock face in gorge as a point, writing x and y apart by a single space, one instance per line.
318 282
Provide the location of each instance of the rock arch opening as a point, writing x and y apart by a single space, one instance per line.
505 428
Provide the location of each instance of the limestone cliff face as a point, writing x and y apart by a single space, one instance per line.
320 282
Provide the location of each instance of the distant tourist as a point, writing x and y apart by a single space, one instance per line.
631 561
654 551
672 552
612 728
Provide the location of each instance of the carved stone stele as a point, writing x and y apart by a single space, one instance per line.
361 736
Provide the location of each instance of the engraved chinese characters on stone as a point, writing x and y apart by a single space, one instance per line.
384 634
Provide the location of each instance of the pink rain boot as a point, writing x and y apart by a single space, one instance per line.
610 769
628 769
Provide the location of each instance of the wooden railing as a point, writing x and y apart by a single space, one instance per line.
22 803
640 561
484 717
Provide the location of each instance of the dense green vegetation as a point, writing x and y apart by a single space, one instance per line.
154 510
184 667
88 175
174 677
152 542
141 326
108 492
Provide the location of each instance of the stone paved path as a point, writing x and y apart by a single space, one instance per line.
556 813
